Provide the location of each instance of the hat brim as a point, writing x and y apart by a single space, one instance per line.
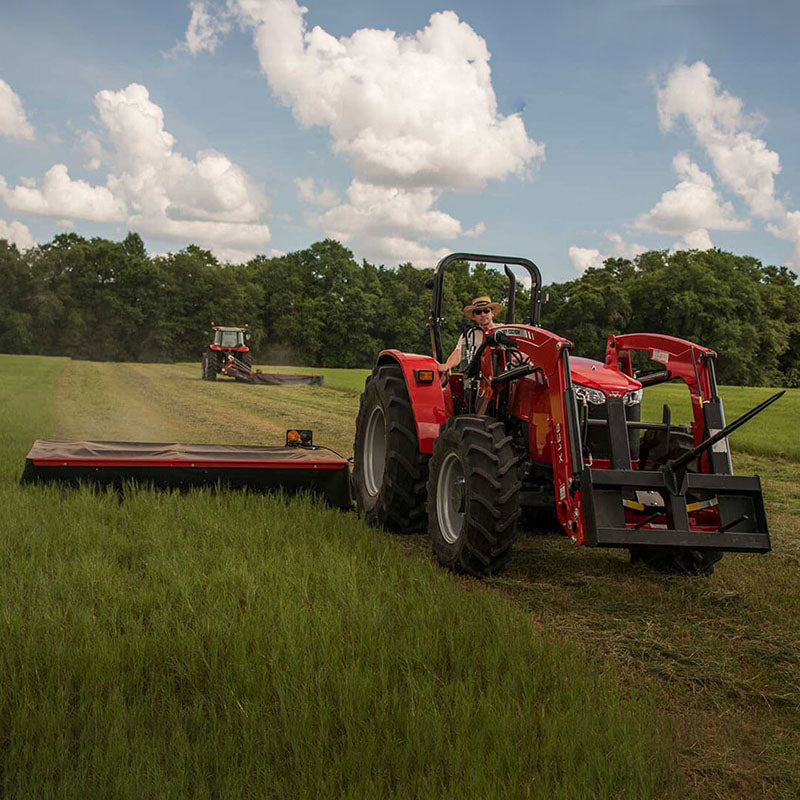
496 308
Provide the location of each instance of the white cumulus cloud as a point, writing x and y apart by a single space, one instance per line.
584 258
414 110
414 114
694 240
17 233
13 120
316 195
692 204
624 249
741 160
789 228
156 190
387 219
61 196
207 27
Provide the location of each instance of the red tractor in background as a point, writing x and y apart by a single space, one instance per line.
529 426
228 353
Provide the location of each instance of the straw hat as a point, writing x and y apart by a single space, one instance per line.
481 302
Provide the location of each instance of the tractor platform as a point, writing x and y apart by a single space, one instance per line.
183 466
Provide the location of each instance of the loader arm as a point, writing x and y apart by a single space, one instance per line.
694 365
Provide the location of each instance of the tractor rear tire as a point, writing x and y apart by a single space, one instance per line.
473 495
209 364
247 360
389 471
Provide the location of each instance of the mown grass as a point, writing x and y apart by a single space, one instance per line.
231 645
163 402
721 654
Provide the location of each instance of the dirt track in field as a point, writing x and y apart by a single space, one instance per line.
163 403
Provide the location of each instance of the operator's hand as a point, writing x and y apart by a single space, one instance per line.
443 369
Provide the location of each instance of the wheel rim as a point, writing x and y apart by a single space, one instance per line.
451 497
374 458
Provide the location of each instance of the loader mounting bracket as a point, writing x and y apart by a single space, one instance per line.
743 522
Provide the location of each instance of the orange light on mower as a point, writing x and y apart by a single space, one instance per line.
298 438
424 375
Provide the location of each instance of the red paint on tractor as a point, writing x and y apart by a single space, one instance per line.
432 404
193 463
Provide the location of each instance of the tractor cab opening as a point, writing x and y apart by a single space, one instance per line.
225 338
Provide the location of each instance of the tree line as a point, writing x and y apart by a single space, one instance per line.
111 301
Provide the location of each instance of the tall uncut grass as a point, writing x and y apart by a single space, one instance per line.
232 645
773 432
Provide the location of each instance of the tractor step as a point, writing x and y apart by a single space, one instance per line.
739 509
182 466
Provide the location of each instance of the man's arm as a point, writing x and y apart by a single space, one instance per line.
452 359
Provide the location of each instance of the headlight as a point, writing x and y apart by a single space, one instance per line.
633 398
587 395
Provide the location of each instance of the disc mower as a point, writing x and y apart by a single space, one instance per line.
229 355
298 465
531 427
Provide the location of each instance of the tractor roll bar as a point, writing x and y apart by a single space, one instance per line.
435 316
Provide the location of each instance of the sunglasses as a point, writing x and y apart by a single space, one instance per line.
481 310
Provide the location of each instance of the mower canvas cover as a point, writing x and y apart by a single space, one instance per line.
182 466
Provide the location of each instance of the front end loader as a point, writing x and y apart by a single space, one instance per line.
530 429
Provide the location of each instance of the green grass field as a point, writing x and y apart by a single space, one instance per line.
232 645
773 433
229 644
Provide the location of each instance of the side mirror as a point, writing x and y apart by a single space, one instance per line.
429 283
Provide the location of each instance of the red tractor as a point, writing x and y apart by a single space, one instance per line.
529 427
228 353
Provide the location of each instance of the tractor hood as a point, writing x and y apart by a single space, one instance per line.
597 375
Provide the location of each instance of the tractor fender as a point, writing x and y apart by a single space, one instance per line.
432 405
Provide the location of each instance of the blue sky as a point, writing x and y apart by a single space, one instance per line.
617 126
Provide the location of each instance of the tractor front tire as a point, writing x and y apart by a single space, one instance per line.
473 496
672 560
389 471
676 560
209 364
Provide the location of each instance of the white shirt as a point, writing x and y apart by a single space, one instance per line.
469 344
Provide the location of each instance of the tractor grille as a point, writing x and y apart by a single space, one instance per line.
598 440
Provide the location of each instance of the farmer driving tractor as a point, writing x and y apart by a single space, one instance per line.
481 310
